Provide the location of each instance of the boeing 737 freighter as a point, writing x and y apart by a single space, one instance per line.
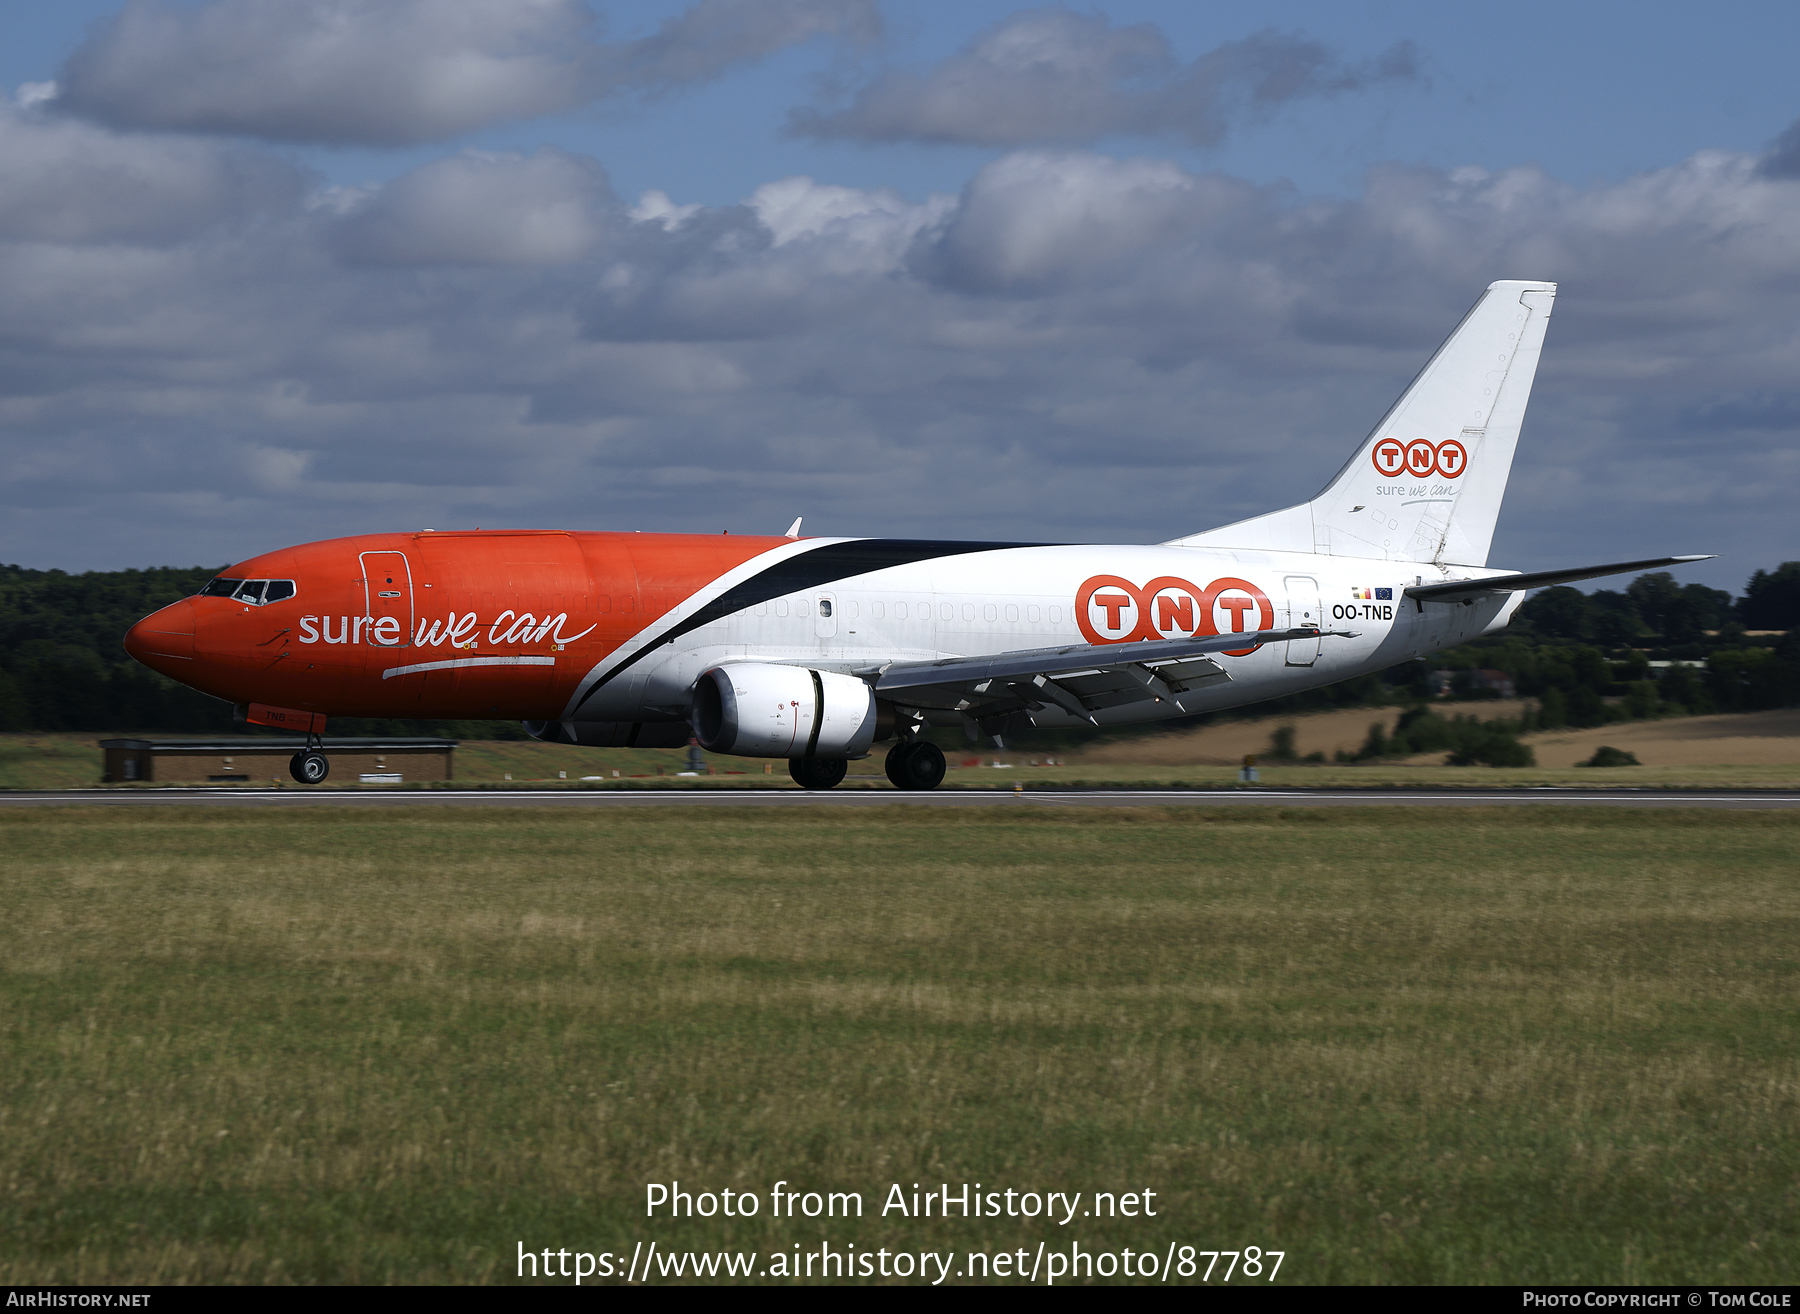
814 649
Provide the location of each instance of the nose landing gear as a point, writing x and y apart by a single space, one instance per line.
310 766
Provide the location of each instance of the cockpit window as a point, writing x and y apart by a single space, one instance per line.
252 592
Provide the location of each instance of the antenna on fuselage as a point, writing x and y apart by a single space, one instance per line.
794 529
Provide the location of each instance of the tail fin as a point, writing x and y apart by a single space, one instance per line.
1427 482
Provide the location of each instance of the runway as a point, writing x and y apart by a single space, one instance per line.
951 798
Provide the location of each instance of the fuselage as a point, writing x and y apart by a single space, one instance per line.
548 626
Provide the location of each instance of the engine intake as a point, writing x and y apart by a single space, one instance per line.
759 709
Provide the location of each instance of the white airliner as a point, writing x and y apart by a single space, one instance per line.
814 649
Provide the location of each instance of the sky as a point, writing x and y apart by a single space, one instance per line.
281 270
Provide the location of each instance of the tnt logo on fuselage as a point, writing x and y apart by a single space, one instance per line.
1109 609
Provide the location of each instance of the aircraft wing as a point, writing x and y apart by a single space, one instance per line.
1467 590
1081 679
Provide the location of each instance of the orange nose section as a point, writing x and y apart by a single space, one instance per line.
164 640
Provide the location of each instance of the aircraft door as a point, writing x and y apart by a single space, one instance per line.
388 599
1303 612
825 616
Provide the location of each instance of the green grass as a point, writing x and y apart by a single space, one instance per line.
61 761
1443 1045
75 761
50 761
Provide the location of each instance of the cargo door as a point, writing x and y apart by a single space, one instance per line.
1303 612
387 599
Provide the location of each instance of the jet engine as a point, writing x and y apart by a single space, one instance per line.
759 709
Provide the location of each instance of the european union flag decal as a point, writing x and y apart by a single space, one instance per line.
1384 595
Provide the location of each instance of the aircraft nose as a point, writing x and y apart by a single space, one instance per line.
164 640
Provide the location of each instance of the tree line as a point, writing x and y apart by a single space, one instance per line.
1657 610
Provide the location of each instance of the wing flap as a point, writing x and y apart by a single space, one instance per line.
1082 679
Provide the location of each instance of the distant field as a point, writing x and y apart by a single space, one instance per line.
1744 739
1226 743
67 761
1753 749
49 761
1747 739
1442 1045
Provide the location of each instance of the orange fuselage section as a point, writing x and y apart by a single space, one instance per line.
481 624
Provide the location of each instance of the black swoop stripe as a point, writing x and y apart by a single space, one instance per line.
823 565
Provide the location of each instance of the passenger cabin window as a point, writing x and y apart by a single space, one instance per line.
824 607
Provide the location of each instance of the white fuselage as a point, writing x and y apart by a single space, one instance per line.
1040 597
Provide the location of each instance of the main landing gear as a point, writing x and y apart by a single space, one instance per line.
916 764
310 766
817 772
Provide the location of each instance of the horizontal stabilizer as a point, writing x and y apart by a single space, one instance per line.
1469 589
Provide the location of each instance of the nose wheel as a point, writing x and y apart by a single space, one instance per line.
916 764
309 766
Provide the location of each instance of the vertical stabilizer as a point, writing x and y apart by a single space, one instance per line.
1426 484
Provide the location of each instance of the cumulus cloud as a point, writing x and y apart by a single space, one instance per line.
1074 347
1055 76
798 257
1035 220
1783 157
655 206
717 35
400 72
74 183
481 208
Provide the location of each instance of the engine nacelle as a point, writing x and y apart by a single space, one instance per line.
759 709
611 734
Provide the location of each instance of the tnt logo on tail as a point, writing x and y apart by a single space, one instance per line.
1420 458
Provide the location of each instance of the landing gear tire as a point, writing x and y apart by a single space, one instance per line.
309 767
918 765
895 766
817 772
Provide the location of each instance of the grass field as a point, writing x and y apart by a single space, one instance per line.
74 761
1753 750
1442 1045
1767 741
